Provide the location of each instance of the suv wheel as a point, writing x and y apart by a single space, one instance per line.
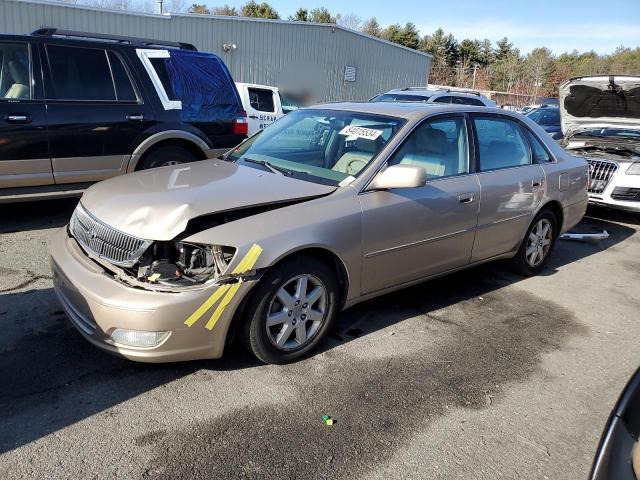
537 244
166 156
291 310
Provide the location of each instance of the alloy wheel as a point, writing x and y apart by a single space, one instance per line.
296 312
539 242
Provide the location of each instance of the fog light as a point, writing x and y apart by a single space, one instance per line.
138 338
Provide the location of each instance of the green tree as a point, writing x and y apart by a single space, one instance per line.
322 15
258 10
372 27
443 47
409 36
503 49
470 52
200 9
486 52
301 15
393 33
225 10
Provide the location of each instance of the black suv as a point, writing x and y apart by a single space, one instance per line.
76 108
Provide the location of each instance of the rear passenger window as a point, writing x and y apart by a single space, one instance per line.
540 154
502 143
442 100
124 88
261 100
79 74
439 146
15 81
160 66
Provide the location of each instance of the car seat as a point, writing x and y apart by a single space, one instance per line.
428 149
20 76
355 160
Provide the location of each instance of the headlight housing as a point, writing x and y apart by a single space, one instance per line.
178 263
634 169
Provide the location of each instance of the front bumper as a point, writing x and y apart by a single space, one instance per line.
97 304
611 198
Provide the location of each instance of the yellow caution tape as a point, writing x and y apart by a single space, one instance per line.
225 292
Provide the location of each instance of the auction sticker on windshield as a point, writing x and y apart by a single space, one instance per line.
361 132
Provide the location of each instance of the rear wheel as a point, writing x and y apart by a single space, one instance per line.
165 156
291 310
537 244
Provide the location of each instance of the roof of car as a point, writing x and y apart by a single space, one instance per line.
422 92
409 110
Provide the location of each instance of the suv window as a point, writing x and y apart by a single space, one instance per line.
261 100
160 66
79 74
501 142
124 87
445 99
15 81
540 154
439 146
467 101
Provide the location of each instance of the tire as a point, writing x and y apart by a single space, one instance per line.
531 264
165 156
281 342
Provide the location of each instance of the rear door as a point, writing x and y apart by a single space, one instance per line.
96 114
511 185
262 107
24 150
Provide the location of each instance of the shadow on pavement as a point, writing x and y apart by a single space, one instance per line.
52 378
17 217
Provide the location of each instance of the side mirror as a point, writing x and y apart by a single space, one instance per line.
399 176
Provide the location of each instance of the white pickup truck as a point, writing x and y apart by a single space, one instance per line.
263 104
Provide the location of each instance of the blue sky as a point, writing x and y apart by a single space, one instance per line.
559 25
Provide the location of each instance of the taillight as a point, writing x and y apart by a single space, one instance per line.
240 125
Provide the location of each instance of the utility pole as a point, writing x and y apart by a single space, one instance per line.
160 7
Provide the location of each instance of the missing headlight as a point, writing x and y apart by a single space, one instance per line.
182 263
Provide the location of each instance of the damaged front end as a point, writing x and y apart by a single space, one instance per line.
157 265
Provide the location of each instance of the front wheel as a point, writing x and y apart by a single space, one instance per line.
537 244
166 156
291 310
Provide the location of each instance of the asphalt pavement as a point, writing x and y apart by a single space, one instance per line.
483 374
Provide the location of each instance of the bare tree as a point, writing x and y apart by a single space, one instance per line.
349 20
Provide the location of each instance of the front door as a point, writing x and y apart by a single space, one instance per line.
96 115
24 150
414 233
512 186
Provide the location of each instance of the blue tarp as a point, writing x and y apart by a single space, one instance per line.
203 84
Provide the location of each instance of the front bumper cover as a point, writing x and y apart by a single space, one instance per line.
96 303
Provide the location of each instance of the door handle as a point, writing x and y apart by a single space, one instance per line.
253 117
135 117
537 182
17 118
466 197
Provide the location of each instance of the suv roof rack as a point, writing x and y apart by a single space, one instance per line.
50 32
414 88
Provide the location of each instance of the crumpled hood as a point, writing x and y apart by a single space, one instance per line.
157 204
600 102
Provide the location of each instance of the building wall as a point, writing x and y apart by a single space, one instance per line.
267 52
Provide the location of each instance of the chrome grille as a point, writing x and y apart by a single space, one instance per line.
600 172
117 247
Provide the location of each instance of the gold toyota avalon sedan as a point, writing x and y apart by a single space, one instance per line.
329 206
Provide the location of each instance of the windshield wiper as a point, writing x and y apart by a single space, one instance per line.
269 166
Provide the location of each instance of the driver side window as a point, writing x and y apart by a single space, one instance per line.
439 146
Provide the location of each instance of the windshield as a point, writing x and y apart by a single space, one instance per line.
545 116
609 132
322 146
398 97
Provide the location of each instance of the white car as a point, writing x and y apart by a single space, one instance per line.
264 104
600 118
429 95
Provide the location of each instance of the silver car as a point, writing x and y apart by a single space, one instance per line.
325 208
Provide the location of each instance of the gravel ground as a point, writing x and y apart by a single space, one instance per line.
479 375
